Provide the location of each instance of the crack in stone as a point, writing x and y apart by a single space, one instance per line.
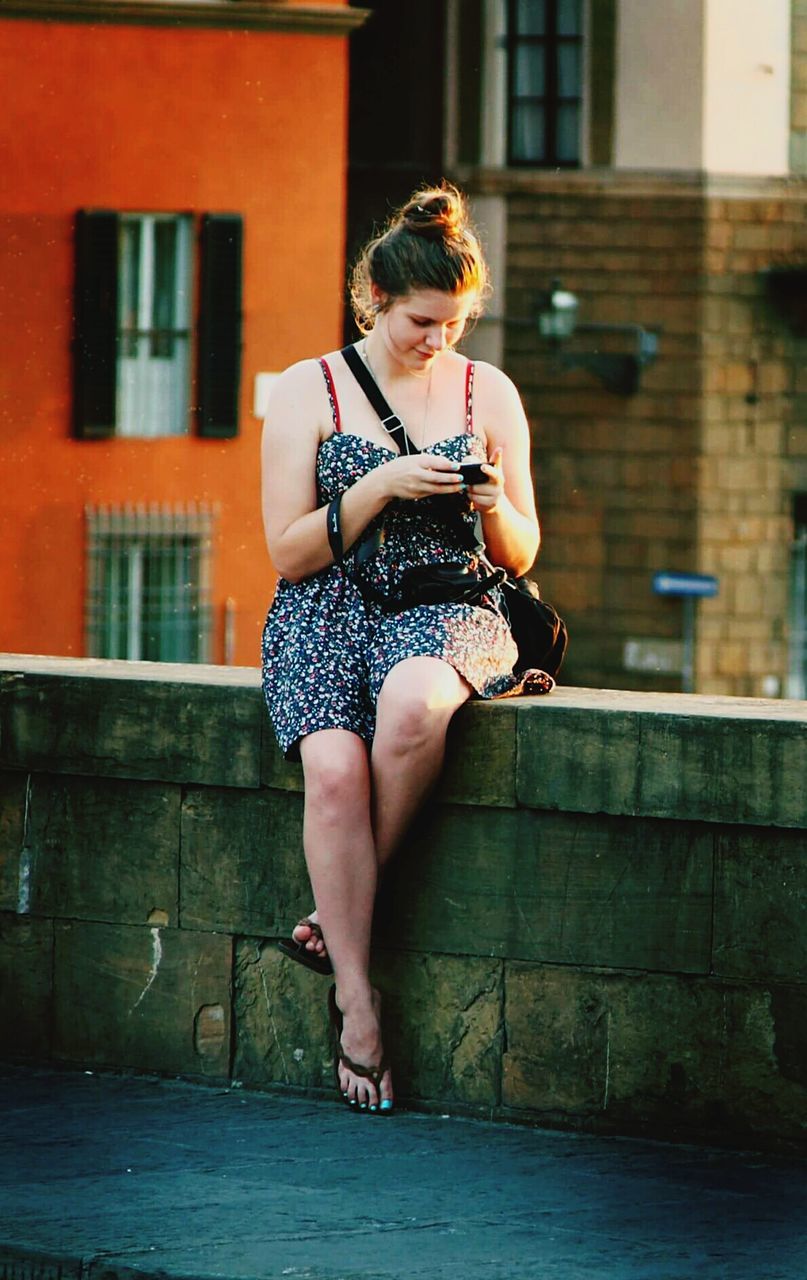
272 1024
156 957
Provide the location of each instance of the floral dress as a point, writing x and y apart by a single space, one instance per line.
327 649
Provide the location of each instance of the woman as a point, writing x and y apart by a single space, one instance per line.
363 694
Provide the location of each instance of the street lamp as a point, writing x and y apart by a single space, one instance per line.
619 372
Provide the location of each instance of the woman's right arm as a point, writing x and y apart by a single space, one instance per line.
295 527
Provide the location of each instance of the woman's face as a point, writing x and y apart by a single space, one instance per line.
418 326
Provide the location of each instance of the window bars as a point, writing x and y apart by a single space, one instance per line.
149 581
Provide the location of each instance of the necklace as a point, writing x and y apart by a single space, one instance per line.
421 443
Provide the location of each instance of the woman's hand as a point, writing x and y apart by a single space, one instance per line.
485 497
419 475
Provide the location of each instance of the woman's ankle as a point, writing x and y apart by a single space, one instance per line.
355 995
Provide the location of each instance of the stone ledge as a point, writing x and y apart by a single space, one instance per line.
709 759
253 15
621 183
147 721
679 756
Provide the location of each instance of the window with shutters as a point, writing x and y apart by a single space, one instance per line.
148 577
544 79
148 362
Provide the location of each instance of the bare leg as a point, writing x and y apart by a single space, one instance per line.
416 703
341 859
415 706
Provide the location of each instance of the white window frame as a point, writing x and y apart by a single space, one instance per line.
153 388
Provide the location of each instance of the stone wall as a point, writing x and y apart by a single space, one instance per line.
798 87
753 440
598 923
696 471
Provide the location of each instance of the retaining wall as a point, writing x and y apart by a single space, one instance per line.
599 922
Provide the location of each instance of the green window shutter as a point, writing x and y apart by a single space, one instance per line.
95 321
220 324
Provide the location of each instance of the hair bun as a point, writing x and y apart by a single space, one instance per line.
437 213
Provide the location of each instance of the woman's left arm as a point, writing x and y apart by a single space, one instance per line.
507 503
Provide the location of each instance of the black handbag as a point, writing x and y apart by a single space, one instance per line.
540 633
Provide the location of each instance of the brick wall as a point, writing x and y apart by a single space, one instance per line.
753 440
798 87
691 474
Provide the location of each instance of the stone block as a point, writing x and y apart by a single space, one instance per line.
13 862
443 1027
562 888
680 1057
441 1020
281 1020
242 868
26 971
715 760
142 999
276 771
760 895
480 766
106 719
104 849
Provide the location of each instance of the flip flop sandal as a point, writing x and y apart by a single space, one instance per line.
373 1074
298 950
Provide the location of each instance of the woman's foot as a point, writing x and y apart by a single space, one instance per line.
310 937
363 1076
306 946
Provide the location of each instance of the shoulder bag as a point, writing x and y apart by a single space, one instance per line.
540 633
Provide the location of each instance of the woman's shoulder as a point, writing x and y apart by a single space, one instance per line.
303 373
298 401
301 381
494 391
491 377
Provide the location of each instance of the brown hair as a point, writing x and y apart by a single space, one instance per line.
428 244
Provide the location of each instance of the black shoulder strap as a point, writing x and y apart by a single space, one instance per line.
390 421
471 538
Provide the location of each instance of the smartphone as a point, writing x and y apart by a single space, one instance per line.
472 473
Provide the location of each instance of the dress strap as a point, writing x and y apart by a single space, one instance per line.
469 398
337 420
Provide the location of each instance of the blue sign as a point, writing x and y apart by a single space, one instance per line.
685 584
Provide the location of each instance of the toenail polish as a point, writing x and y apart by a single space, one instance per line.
363 1106
386 1105
373 1107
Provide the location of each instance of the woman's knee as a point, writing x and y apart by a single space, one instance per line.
417 702
336 771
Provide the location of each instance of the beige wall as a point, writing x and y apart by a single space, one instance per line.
659 85
703 85
746 86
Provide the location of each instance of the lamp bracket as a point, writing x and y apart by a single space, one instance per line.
618 372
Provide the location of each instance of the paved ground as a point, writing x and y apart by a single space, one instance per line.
102 1176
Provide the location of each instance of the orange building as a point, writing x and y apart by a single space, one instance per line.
171 227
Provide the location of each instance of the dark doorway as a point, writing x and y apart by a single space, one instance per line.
396 112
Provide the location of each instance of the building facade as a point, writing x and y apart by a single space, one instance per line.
171 228
650 158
